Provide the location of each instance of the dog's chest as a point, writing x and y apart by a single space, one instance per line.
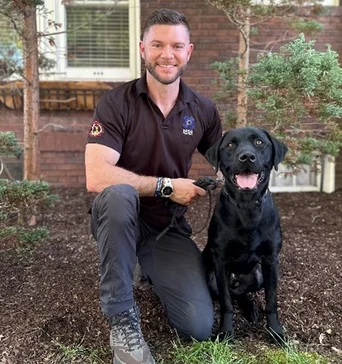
241 251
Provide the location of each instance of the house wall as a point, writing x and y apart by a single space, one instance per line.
63 138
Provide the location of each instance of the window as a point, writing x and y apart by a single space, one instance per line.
98 40
309 3
11 59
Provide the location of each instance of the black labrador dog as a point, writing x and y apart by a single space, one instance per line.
244 236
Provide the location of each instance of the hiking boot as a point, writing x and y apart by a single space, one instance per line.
126 339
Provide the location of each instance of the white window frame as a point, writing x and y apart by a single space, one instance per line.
308 3
321 180
59 52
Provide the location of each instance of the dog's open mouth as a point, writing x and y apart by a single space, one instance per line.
248 180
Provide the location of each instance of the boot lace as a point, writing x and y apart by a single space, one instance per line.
126 326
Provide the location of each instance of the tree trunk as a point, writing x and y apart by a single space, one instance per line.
242 101
31 95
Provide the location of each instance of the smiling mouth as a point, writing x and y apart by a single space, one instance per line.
247 180
166 65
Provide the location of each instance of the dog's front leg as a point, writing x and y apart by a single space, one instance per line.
226 306
270 275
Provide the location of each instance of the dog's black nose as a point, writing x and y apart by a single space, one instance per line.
244 157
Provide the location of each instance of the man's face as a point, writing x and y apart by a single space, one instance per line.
166 50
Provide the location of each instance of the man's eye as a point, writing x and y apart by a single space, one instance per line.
259 142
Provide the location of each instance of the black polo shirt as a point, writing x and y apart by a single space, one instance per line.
127 120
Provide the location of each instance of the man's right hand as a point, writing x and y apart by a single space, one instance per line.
185 192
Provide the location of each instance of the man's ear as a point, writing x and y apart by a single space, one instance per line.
279 149
212 155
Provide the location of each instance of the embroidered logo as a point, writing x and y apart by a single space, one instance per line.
96 129
188 125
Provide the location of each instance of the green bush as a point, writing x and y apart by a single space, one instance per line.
297 93
19 201
9 143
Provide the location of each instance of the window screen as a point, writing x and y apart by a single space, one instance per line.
98 35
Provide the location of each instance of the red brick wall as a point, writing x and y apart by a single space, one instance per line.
215 39
62 143
62 146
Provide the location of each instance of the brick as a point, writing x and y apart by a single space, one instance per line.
55 172
78 172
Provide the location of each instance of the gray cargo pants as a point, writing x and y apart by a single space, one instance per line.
173 263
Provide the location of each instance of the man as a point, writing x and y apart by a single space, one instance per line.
138 156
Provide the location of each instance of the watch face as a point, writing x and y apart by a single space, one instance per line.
167 191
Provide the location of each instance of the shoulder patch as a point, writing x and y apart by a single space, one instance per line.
96 129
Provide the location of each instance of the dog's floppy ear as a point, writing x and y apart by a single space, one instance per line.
212 155
279 149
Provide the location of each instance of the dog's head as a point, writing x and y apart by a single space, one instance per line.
246 157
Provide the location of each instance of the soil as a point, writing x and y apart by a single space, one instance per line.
49 295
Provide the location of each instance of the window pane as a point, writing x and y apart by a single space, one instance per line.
98 36
11 59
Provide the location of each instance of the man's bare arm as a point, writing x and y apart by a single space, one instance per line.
101 172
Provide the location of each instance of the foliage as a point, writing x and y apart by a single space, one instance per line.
25 240
215 352
19 200
24 196
11 50
296 15
297 94
9 143
24 236
221 352
79 353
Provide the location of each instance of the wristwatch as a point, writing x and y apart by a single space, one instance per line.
167 188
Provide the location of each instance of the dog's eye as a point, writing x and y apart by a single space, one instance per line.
259 142
231 145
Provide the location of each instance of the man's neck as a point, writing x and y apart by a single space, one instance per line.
164 96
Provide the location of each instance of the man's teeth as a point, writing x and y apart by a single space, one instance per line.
166 65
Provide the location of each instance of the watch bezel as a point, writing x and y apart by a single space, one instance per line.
167 191
167 188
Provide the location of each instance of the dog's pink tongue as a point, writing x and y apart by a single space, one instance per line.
247 180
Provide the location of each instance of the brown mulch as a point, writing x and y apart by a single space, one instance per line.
49 297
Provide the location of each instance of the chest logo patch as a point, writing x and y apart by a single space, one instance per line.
96 129
188 125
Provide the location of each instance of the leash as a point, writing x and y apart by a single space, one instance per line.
208 184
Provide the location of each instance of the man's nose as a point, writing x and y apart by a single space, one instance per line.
167 52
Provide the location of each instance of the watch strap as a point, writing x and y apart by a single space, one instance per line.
157 192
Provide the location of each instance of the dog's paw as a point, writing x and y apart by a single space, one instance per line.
275 330
227 337
277 337
226 332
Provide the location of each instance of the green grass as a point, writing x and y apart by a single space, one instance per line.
77 353
209 352
216 352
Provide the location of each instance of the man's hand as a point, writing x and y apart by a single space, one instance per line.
185 192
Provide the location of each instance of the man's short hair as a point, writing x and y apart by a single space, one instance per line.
165 17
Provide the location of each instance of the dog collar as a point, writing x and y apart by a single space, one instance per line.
245 205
